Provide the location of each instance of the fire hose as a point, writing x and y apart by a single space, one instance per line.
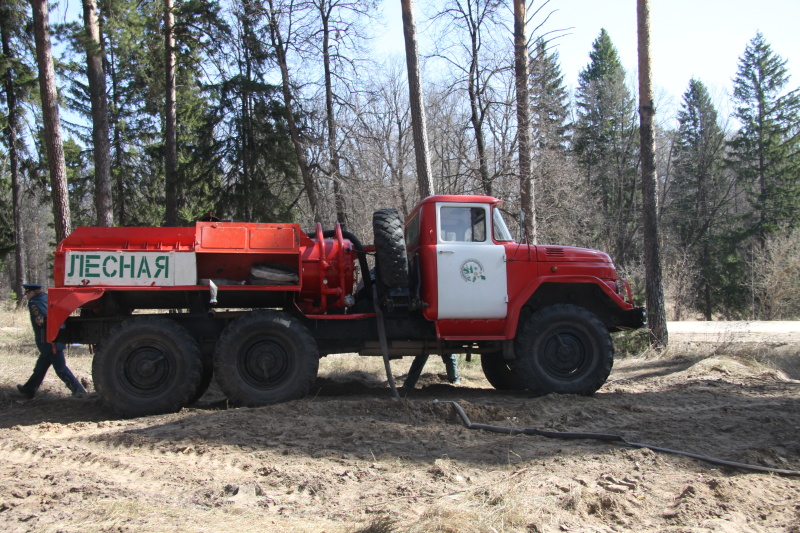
610 438
384 344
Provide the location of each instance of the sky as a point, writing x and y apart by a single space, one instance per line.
689 38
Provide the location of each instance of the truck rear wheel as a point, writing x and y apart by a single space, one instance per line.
499 372
564 349
390 249
265 357
147 365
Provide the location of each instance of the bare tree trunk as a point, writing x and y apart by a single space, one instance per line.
526 191
170 119
476 113
302 162
51 118
656 312
419 128
13 153
705 258
246 138
119 182
100 132
333 150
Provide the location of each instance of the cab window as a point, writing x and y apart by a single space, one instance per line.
462 224
501 232
412 232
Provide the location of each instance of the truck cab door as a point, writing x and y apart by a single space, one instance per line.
470 267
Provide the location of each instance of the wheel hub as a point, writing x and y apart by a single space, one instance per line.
564 353
147 368
264 362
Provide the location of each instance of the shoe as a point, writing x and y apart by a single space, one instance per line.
80 394
25 391
456 381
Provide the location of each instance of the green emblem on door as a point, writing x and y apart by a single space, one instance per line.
472 271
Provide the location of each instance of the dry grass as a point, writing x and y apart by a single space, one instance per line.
18 355
760 357
371 371
511 503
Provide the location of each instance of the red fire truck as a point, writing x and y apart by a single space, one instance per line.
255 306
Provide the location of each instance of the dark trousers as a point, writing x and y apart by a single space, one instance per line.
49 357
418 364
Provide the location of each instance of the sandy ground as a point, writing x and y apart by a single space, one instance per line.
348 458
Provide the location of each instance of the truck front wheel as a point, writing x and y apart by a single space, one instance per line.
564 349
265 357
147 365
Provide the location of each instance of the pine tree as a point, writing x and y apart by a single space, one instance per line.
170 118
95 56
17 83
196 30
134 118
131 129
765 153
51 119
654 285
549 100
527 193
606 143
260 173
698 196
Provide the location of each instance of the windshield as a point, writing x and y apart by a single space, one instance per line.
501 232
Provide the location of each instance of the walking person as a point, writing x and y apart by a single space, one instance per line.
50 353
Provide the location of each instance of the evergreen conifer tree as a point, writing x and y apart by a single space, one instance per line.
606 143
260 173
765 153
17 83
698 195
549 100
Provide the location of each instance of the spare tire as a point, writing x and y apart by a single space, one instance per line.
391 260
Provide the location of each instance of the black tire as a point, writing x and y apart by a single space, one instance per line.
390 249
500 372
147 365
564 349
206 377
265 357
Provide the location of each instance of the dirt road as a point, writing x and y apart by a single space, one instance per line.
739 332
348 458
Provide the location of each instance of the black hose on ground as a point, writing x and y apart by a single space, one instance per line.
610 438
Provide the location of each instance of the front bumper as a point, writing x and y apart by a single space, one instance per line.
629 319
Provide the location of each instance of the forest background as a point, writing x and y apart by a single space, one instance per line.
284 111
